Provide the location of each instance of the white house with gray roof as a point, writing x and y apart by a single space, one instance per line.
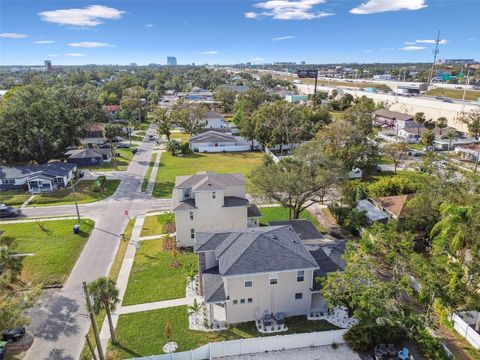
207 202
263 270
215 141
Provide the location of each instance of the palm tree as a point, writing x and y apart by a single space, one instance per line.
195 309
9 263
442 123
419 119
455 229
452 135
430 124
105 294
427 138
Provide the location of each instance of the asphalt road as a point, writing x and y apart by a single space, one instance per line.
59 322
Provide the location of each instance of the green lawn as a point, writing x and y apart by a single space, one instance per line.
153 278
123 160
182 137
149 172
83 191
172 166
55 248
156 224
276 213
454 93
141 334
13 197
414 176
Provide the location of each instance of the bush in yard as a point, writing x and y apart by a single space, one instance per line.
391 186
185 149
174 147
362 337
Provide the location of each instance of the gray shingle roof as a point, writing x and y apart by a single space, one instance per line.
260 250
304 228
392 114
232 201
88 153
50 169
371 211
188 204
213 288
202 178
211 136
253 211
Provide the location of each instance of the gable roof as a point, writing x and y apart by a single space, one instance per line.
393 114
209 181
211 136
257 250
213 288
57 168
213 115
87 153
304 228
395 205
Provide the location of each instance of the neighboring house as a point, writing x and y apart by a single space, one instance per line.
214 120
245 274
215 141
38 178
413 135
89 156
392 120
112 110
462 140
295 99
94 134
209 202
469 152
372 212
198 94
394 206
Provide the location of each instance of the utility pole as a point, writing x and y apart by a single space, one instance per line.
76 203
94 323
435 53
90 346
467 82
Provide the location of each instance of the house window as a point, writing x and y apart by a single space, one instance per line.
235 302
248 281
274 279
242 301
298 296
58 180
249 300
214 195
9 181
191 215
186 193
300 276
192 233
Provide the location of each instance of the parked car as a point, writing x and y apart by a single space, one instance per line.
8 211
123 146
104 146
14 334
117 139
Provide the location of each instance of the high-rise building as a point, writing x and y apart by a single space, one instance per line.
171 60
303 62
48 65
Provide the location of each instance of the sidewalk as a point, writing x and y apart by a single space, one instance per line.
157 305
153 175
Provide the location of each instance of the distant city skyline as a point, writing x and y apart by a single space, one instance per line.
216 32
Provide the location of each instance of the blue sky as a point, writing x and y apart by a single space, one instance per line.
224 32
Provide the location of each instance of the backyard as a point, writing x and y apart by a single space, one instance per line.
122 161
51 246
172 166
277 213
83 191
154 275
135 341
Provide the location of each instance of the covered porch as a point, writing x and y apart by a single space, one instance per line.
39 185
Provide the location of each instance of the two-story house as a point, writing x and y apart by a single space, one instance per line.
245 274
208 202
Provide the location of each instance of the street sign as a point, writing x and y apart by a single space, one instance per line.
312 74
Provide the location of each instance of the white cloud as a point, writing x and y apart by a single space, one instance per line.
42 42
379 6
89 16
148 25
90 44
74 54
412 48
441 42
409 42
288 10
12 35
209 52
284 38
368 51
52 55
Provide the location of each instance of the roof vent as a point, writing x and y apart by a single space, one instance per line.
275 237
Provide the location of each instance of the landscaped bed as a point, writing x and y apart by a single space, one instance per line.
172 166
277 213
158 224
83 192
142 334
154 277
54 249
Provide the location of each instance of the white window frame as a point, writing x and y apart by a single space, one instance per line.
9 181
191 215
301 296
301 274
273 277
192 233
186 193
248 279
214 195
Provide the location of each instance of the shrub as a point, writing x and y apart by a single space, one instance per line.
362 337
391 186
185 149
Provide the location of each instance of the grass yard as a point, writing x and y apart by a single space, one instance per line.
13 197
123 160
141 334
152 277
415 176
156 224
140 133
276 213
83 191
172 166
55 248
336 115
454 93
149 172
182 137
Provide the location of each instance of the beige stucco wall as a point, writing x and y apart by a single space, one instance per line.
266 297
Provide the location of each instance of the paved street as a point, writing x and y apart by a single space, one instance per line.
59 323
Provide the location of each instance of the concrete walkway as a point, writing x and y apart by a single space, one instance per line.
157 305
38 219
30 198
153 174
153 237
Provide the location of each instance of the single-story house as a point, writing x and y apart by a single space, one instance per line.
112 110
391 119
372 212
214 120
215 141
89 156
462 140
94 134
412 134
469 152
394 206
38 178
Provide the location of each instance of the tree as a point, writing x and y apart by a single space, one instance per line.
427 138
10 265
134 103
430 124
110 131
396 152
452 135
105 294
419 119
174 147
162 120
195 309
190 117
14 305
472 120
442 123
298 182
226 97
250 100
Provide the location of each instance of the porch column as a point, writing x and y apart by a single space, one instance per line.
51 187
210 313
29 188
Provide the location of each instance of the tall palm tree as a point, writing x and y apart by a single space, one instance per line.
455 230
452 135
105 295
195 309
9 263
442 123
419 119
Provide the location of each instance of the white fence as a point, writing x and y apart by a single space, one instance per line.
465 329
256 345
216 149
